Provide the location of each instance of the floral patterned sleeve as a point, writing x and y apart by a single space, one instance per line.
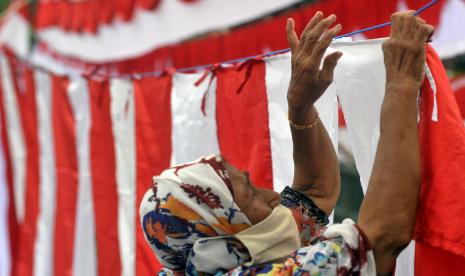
311 220
342 250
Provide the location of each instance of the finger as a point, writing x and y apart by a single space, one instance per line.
318 31
329 64
406 24
430 38
291 34
424 33
324 43
394 24
396 19
420 20
410 24
409 12
311 24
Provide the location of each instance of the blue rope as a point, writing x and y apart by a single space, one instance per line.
387 23
240 60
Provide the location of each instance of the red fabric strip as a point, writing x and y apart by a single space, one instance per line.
90 18
148 4
106 13
78 16
441 207
45 16
25 94
242 120
64 131
13 227
436 261
153 151
125 9
65 12
103 168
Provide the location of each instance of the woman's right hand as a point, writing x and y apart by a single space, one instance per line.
308 82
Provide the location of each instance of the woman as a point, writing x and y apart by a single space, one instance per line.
207 217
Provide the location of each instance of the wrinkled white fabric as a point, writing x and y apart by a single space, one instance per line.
274 238
350 234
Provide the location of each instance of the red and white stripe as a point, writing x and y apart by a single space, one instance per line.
122 112
43 252
84 255
99 142
15 138
360 82
79 154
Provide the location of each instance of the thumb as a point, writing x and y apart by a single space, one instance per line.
329 64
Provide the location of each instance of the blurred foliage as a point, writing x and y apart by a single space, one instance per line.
351 195
4 4
455 66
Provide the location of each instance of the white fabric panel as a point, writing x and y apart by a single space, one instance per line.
360 79
193 134
15 139
43 248
172 22
278 73
4 231
123 116
405 264
14 33
84 257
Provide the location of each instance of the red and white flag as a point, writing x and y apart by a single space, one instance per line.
79 154
438 248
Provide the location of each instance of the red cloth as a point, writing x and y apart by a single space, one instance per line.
106 14
25 93
13 225
241 97
441 208
149 4
66 164
125 9
153 152
103 168
436 261
256 38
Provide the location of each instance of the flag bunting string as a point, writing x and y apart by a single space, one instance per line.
95 71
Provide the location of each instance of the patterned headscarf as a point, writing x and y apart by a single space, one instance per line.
188 205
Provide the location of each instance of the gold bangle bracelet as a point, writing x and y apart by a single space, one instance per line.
304 127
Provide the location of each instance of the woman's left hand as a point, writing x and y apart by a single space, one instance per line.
308 82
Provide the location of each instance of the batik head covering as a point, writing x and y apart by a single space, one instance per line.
193 225
188 205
